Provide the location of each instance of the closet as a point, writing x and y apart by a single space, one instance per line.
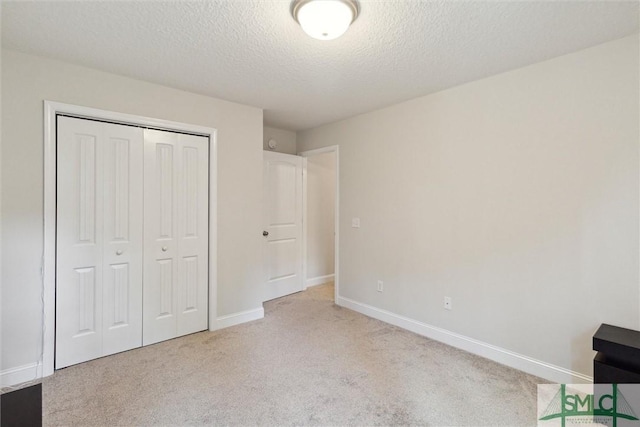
131 237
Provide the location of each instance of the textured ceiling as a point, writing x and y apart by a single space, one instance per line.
253 52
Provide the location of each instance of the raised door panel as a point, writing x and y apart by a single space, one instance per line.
282 194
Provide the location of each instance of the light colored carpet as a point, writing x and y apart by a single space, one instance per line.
308 362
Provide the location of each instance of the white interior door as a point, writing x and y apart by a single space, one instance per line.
283 224
98 240
176 177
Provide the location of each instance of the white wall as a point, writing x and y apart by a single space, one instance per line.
27 81
286 140
321 185
516 195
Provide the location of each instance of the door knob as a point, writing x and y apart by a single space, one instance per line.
164 249
118 252
265 233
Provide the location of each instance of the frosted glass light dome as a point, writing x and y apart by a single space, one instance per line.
325 19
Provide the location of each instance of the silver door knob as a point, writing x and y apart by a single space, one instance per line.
118 252
164 249
265 233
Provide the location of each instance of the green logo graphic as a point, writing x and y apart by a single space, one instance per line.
571 403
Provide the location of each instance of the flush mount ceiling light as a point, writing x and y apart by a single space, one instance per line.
325 19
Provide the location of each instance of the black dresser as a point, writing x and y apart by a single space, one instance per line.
22 407
618 358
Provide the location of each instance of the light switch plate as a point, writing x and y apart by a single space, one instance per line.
355 222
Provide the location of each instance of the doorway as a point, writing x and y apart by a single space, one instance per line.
321 217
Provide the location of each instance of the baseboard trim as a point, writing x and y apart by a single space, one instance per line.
506 357
22 374
238 318
320 280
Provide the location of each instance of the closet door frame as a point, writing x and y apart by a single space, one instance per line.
51 111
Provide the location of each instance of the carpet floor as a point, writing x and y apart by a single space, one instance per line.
308 362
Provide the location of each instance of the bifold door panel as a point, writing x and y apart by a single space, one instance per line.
117 289
99 240
176 235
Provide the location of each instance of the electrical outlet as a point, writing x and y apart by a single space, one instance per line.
448 305
380 284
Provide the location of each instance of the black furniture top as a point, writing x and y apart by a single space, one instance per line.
618 358
618 343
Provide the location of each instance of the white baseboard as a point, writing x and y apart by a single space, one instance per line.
320 280
238 318
21 374
523 363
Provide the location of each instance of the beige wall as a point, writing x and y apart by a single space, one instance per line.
26 82
516 195
321 185
286 140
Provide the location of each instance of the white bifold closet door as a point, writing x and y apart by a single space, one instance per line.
176 234
131 238
98 240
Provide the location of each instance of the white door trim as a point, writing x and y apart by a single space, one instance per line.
305 201
310 153
51 109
